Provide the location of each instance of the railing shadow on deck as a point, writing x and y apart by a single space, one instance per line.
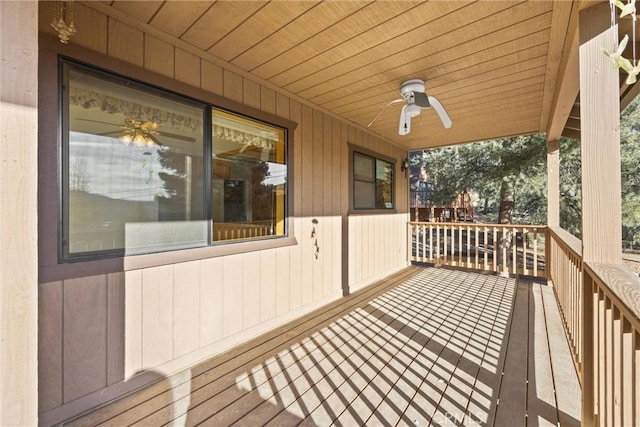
425 346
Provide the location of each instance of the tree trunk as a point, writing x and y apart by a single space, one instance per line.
504 217
506 202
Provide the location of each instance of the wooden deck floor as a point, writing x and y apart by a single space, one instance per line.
428 346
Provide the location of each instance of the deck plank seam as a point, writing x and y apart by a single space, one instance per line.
492 417
463 352
369 329
230 356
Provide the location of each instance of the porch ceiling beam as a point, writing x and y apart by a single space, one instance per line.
568 83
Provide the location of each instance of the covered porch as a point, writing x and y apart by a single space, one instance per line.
426 346
319 317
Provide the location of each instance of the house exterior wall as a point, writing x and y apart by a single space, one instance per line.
102 335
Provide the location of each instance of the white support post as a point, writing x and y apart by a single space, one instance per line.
553 183
18 213
600 138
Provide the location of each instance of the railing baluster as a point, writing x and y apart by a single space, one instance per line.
430 241
476 244
535 252
460 251
438 242
445 247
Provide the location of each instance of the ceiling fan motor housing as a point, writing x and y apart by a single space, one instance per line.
410 86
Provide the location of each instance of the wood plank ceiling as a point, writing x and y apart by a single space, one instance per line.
494 65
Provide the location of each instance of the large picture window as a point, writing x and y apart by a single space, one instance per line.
372 182
134 179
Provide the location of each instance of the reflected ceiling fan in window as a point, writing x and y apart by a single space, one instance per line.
412 92
139 132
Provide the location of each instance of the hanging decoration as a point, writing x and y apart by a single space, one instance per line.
63 20
617 60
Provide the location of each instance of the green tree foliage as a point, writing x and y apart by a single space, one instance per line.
570 172
508 175
630 172
570 186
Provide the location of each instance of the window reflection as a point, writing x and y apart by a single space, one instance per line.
133 168
372 182
249 178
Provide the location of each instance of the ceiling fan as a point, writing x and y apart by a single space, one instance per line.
412 91
140 132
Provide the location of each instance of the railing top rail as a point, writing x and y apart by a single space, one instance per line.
621 285
566 239
482 225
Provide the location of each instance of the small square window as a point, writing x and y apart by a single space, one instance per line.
372 182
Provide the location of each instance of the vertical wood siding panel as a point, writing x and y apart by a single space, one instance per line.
283 272
211 79
157 316
133 322
377 256
187 68
295 265
327 204
336 209
267 285
87 18
232 295
251 289
282 106
251 93
351 256
232 85
267 100
307 205
115 327
365 246
50 345
306 144
211 300
125 43
84 336
186 307
158 56
295 252
345 195
308 260
295 111
318 200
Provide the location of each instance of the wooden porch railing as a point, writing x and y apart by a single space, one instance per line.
242 230
600 304
611 347
565 271
516 249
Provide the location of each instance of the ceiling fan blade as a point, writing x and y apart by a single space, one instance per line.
405 122
98 121
176 136
421 99
385 106
444 117
113 132
155 140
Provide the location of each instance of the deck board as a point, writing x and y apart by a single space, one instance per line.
427 346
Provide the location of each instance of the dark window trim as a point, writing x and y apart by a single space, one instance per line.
50 172
353 211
